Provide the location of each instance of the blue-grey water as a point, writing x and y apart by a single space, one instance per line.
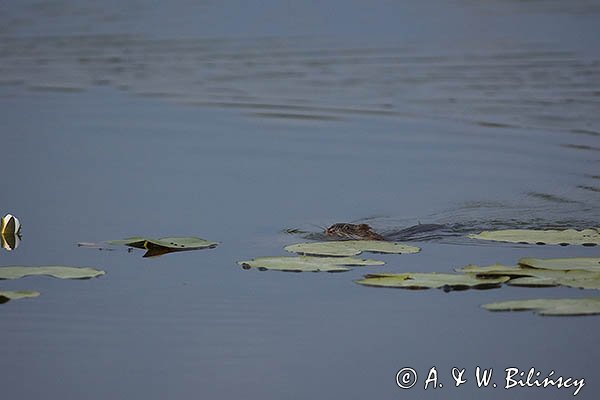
236 120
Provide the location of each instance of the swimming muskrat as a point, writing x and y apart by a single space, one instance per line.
365 232
353 232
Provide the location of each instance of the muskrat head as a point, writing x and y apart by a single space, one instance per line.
352 232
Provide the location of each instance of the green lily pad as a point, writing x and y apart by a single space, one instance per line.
585 237
307 263
574 279
538 277
22 294
533 281
584 306
563 264
351 248
96 246
524 271
432 280
16 272
157 247
497 270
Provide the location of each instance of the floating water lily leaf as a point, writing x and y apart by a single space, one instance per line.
584 306
533 281
178 243
97 246
22 294
432 280
574 279
135 241
586 237
563 264
538 277
165 245
16 272
523 271
351 248
307 263
496 270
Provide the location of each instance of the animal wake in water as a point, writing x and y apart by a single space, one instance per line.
346 231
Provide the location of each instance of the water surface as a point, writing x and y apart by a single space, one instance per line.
233 123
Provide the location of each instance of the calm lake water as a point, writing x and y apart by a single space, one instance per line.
234 122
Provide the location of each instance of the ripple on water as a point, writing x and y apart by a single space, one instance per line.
521 84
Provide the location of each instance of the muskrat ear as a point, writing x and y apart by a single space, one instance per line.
364 226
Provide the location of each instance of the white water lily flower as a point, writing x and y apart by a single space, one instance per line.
10 225
9 241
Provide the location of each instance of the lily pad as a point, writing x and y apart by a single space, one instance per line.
574 279
538 277
563 264
16 272
583 306
97 246
307 263
533 281
156 247
585 237
523 271
496 270
22 294
432 280
351 248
